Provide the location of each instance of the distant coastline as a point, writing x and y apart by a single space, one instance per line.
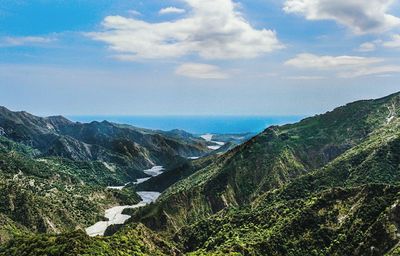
196 124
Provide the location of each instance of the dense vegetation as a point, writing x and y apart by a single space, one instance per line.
138 240
54 172
41 195
349 207
328 185
270 160
295 179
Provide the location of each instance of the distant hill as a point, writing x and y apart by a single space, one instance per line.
128 148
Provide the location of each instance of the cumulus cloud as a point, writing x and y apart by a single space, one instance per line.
171 10
393 43
343 66
360 16
24 40
201 71
306 60
212 30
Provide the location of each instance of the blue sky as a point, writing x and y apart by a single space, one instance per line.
208 57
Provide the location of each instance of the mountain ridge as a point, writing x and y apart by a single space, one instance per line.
280 151
131 148
327 185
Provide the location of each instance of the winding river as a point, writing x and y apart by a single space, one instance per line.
114 214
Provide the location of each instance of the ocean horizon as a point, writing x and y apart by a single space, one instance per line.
195 124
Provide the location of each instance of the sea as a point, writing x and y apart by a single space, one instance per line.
197 124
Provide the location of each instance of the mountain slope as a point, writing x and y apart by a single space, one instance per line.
349 207
39 195
269 161
129 148
328 185
137 241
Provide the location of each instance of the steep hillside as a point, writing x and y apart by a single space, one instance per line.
138 240
349 221
269 161
130 149
349 207
328 185
53 172
165 180
45 196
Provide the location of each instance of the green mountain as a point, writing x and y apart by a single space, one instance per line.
270 160
122 147
54 172
328 185
138 240
348 207
51 196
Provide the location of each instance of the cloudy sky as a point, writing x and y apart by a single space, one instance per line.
219 57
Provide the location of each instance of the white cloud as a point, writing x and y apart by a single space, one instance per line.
343 66
201 71
361 16
306 60
367 47
367 71
212 30
170 10
394 43
24 40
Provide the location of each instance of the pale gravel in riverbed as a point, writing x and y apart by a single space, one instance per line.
208 137
155 171
114 214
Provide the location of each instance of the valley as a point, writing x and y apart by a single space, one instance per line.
115 214
327 185
200 128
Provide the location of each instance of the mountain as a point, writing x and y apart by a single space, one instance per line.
270 160
171 176
125 148
348 207
138 240
327 185
54 172
46 196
